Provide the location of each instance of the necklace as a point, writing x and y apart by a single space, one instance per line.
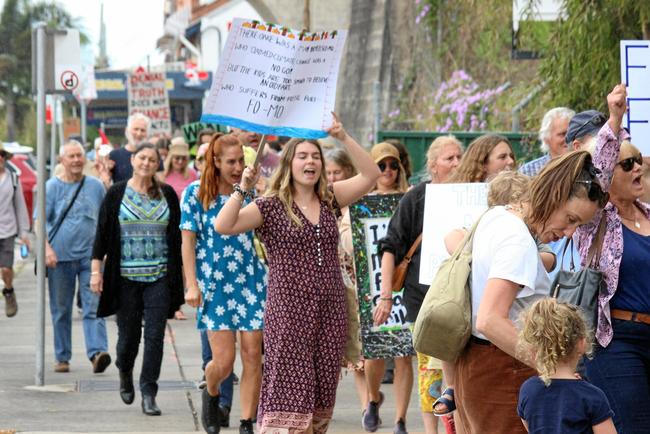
636 222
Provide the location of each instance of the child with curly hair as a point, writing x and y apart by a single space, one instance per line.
558 400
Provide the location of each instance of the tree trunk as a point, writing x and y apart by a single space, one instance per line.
10 117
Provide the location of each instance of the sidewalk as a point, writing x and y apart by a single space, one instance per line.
80 401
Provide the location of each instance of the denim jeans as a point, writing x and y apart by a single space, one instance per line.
622 371
225 390
150 300
62 282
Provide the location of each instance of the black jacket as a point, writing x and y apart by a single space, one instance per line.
107 243
404 227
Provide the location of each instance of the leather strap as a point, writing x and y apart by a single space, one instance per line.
413 248
626 315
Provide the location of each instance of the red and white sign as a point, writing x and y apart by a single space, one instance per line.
147 93
69 80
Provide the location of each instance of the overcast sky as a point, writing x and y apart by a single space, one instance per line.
132 28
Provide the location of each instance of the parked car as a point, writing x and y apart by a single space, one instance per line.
22 164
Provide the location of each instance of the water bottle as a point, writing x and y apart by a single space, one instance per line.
24 251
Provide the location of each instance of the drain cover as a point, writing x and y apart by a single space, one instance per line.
111 386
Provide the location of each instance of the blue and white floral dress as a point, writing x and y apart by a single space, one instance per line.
229 273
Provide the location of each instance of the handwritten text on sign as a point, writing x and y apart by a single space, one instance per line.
147 93
463 204
375 229
273 80
635 73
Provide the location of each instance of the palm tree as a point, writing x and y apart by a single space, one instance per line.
16 21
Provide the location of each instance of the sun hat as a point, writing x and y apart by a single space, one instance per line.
6 154
179 147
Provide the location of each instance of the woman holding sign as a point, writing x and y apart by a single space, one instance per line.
305 313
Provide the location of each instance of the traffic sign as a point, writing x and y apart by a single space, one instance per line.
69 80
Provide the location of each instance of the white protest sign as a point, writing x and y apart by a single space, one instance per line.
635 73
147 93
447 207
274 80
375 229
67 60
86 91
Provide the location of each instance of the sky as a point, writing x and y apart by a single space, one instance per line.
132 28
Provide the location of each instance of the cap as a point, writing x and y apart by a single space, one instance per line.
586 123
384 150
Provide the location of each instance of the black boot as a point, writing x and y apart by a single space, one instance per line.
126 387
246 426
210 413
149 406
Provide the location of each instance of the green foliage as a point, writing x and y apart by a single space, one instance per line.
584 62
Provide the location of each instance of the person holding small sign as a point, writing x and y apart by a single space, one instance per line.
305 313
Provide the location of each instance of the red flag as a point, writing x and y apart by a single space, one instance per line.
105 140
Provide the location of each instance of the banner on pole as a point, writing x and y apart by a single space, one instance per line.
369 219
463 204
635 74
147 94
274 80
86 91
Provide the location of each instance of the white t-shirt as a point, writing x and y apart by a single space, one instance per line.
503 248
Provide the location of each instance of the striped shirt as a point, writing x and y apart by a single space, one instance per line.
143 230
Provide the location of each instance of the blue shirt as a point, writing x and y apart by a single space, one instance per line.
565 406
74 239
632 292
123 169
535 166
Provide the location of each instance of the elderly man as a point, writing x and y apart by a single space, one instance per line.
555 124
136 132
71 207
14 221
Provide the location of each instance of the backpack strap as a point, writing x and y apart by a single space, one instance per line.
469 237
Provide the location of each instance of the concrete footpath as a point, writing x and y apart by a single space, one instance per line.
80 401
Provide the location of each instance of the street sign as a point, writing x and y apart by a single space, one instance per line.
69 80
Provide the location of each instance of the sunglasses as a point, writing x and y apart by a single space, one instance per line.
394 165
595 192
596 120
179 157
628 164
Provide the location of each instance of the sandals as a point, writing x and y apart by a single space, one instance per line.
449 403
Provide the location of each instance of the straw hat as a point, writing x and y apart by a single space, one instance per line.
179 147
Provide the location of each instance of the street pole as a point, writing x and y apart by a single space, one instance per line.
52 136
39 376
83 122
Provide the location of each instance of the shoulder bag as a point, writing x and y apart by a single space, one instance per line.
58 224
444 323
582 288
399 274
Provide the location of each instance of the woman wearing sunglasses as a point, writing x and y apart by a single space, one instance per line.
393 178
621 363
177 171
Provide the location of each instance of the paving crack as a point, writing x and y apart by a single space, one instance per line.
188 395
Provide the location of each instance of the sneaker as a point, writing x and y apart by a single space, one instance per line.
202 384
370 418
100 362
11 305
400 427
62 367
246 426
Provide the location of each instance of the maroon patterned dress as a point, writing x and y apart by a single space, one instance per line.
305 320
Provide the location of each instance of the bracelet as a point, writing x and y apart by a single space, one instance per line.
94 273
238 197
386 298
244 193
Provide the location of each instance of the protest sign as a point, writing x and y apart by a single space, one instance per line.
369 219
447 207
274 80
635 74
192 130
147 93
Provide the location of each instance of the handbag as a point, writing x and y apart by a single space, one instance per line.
399 275
56 227
444 324
581 288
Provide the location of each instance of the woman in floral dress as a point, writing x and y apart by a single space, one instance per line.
306 315
225 280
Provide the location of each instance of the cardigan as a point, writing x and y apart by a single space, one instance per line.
605 158
404 227
107 244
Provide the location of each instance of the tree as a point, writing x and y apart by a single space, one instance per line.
16 21
584 62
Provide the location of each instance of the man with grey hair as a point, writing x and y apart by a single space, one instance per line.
136 132
555 124
72 203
